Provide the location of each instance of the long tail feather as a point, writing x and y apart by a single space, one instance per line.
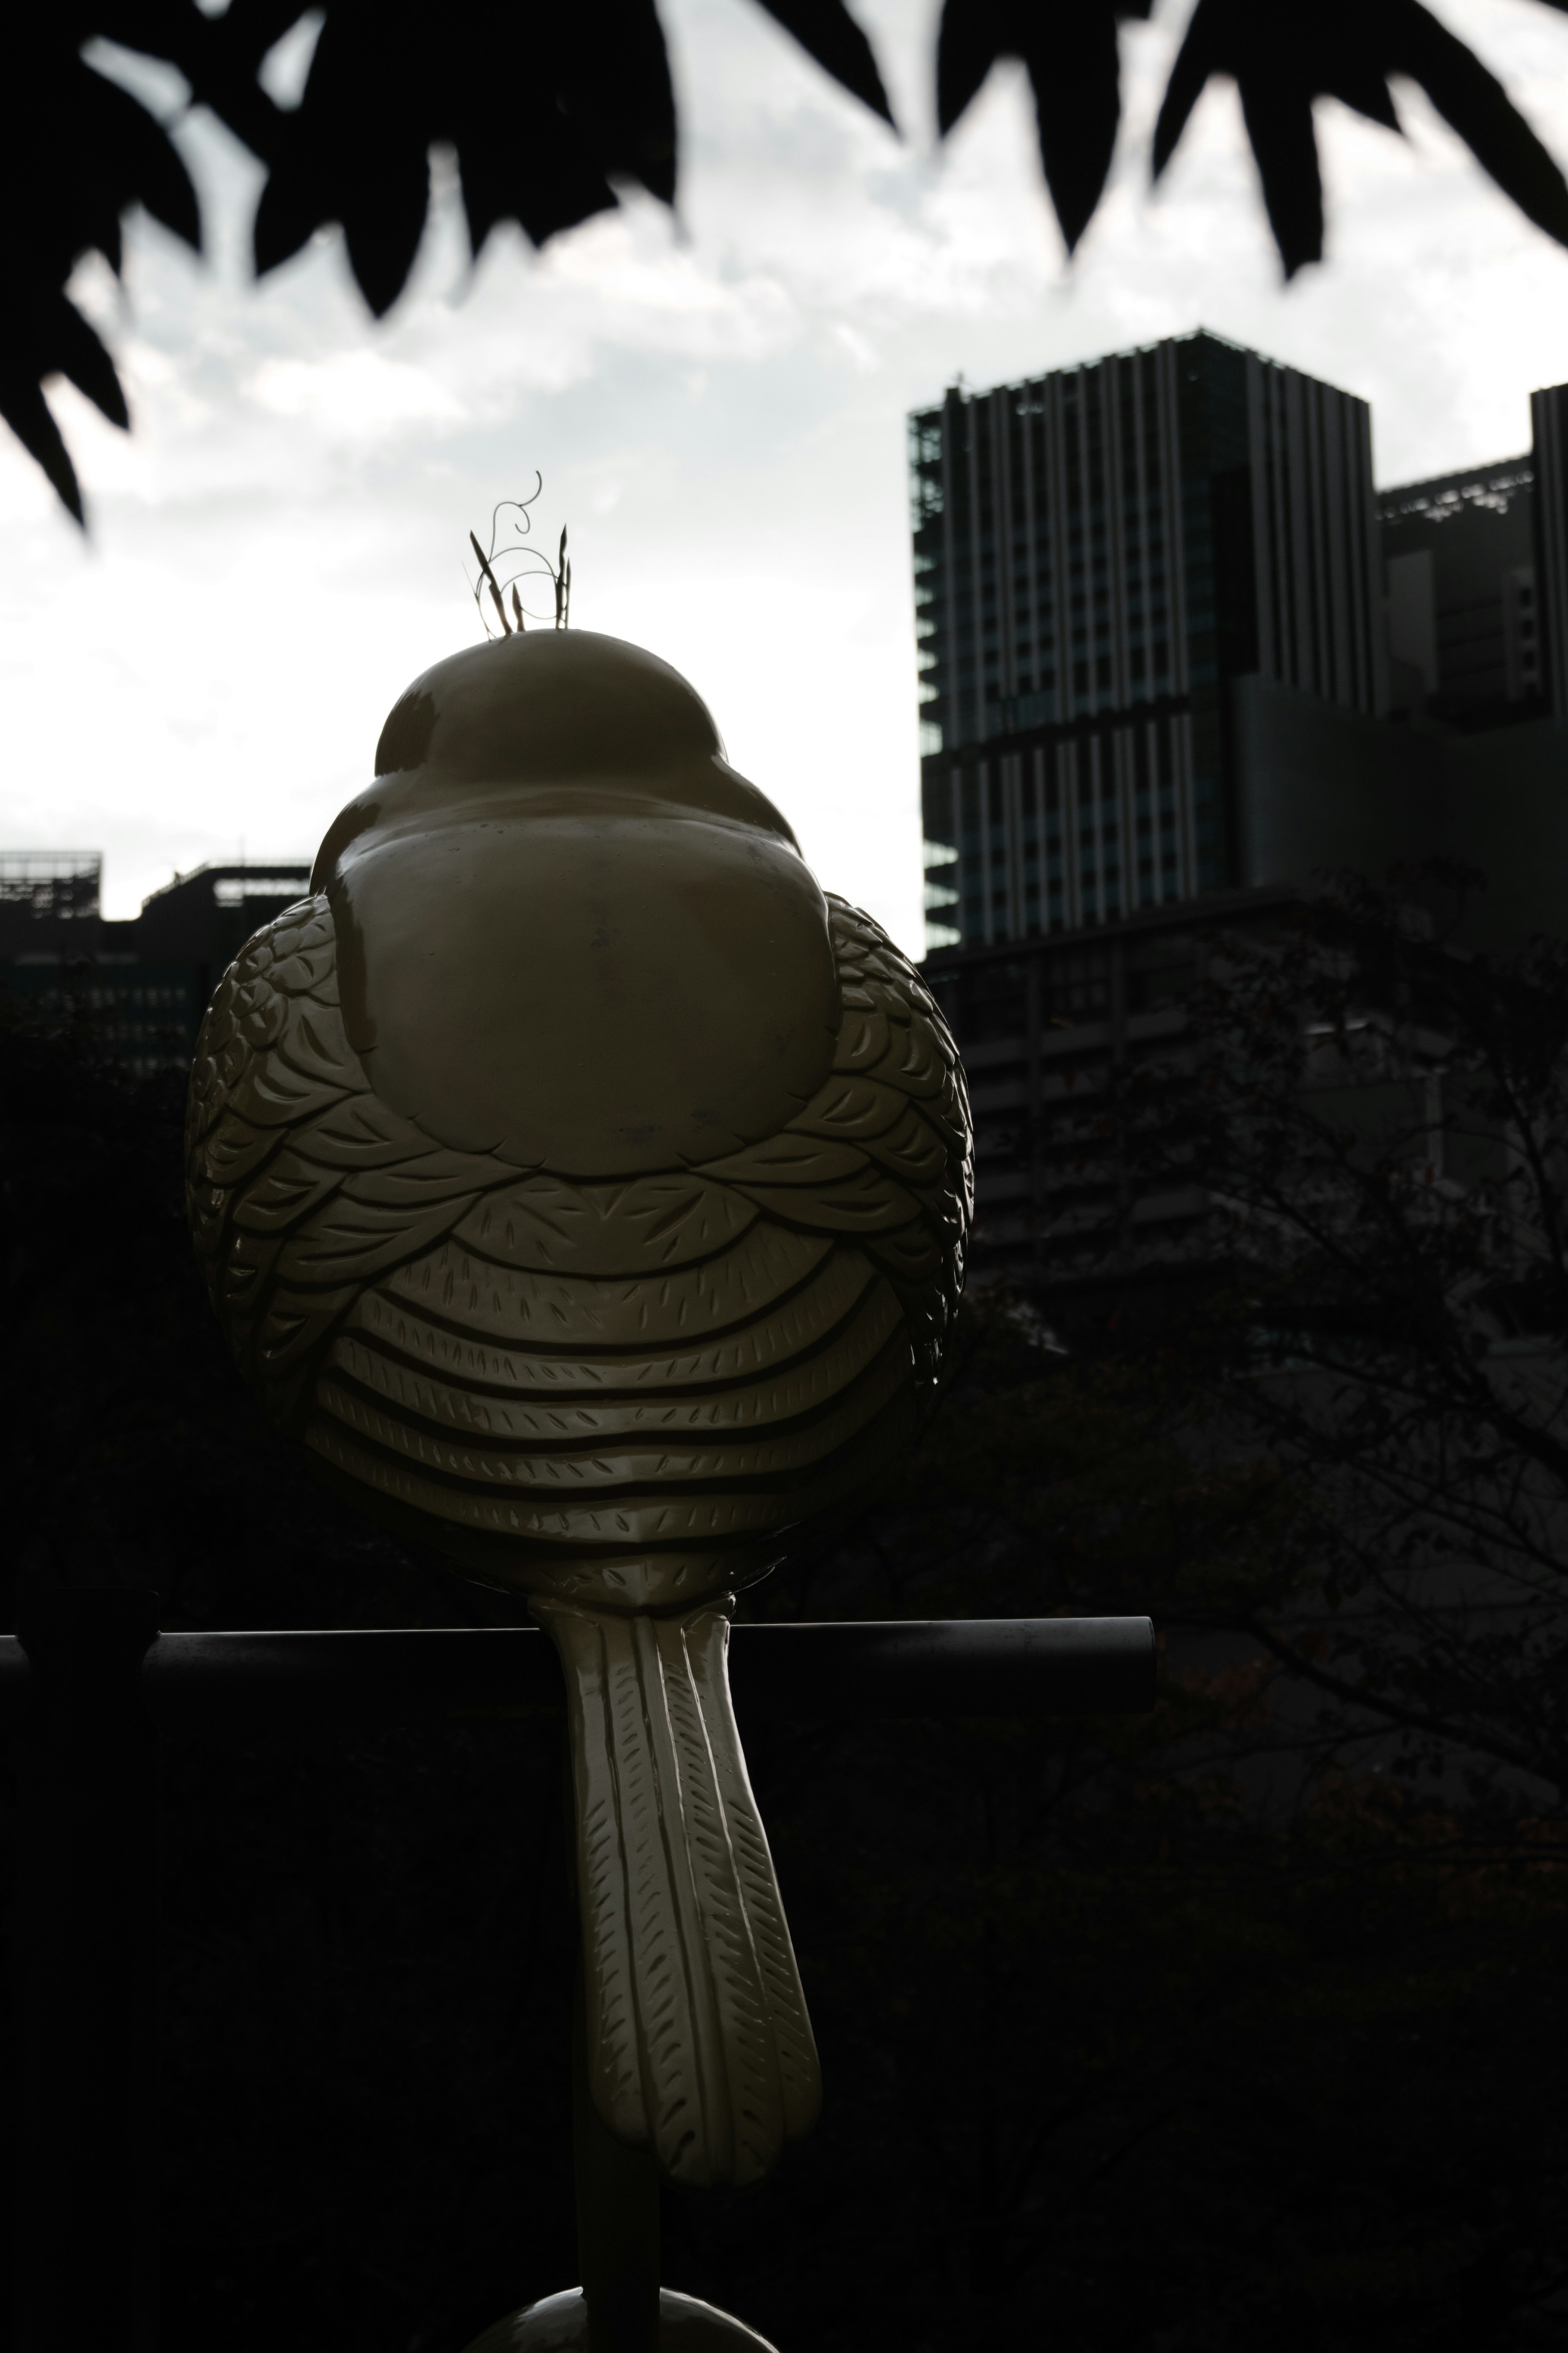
699 2043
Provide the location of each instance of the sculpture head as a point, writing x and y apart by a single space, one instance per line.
569 933
563 715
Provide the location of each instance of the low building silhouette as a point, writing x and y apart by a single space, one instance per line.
141 985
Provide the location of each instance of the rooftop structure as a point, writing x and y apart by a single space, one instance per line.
49 884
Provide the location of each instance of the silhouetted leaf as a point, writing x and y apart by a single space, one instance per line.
1473 103
1347 49
827 31
70 348
75 152
1070 49
26 412
121 156
542 109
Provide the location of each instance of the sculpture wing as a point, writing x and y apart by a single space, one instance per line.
301 1185
883 1152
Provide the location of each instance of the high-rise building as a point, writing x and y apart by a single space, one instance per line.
1177 660
1100 555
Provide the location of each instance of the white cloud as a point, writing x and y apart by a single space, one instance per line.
355 395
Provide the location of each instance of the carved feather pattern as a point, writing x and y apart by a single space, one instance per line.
626 1399
386 1294
699 2043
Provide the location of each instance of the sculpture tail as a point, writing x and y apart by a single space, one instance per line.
698 2045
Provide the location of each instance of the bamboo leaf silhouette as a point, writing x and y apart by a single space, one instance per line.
60 112
549 112
1070 48
543 110
827 32
1347 49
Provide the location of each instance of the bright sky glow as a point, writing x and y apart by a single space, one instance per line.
717 406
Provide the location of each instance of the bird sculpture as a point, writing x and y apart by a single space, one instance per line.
587 1192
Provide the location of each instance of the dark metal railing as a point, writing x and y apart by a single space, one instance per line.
84 1691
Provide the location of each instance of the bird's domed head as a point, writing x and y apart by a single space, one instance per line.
569 932
546 712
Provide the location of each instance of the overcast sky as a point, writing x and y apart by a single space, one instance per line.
717 407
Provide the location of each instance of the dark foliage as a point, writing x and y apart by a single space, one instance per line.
549 110
544 108
77 153
1347 49
1385 1123
1074 69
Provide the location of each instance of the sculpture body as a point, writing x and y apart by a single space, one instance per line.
588 1193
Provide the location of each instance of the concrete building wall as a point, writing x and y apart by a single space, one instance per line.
1506 794
1321 788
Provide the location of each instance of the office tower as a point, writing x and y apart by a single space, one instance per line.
1100 553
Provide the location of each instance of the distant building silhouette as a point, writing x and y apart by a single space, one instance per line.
143 984
1459 559
1177 658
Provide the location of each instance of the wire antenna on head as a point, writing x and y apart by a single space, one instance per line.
510 559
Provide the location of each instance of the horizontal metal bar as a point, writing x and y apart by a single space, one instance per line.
917 1667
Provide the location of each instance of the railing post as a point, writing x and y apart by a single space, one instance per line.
84 2152
618 2219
